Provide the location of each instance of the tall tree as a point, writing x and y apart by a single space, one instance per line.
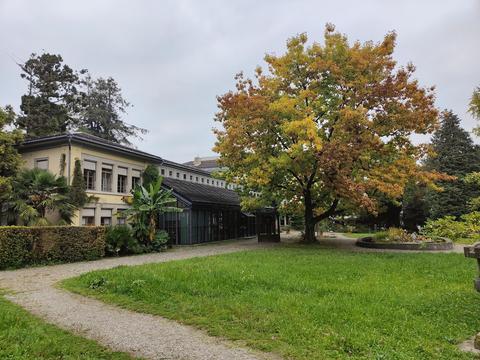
455 154
53 97
10 158
104 106
414 206
326 128
474 107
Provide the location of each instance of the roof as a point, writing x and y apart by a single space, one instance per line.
203 164
202 194
185 167
86 139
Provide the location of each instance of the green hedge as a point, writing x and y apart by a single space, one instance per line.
30 245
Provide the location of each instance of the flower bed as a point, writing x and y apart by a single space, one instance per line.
399 239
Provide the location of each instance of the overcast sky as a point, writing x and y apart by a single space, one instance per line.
172 58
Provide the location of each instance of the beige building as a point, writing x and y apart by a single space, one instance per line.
110 171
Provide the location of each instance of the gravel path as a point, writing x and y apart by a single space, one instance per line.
143 335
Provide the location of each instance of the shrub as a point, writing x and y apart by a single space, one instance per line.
21 245
467 229
119 240
397 235
160 241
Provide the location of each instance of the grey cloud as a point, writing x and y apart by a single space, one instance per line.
173 57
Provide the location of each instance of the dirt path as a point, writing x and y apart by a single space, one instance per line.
143 335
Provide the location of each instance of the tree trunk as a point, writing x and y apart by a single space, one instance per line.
309 236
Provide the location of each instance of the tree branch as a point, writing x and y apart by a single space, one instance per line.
330 212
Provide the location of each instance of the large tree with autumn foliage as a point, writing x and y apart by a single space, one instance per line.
327 128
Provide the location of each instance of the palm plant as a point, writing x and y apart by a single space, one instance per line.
36 192
146 206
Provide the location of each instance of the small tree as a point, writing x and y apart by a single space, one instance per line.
146 206
35 192
150 175
78 195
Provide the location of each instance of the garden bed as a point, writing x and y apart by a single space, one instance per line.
368 242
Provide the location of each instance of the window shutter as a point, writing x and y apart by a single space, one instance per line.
89 165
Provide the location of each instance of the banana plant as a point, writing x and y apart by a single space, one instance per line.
146 205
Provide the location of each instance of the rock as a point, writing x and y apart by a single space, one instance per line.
476 342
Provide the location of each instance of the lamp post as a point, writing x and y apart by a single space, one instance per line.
474 252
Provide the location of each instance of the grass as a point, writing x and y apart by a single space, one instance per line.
358 235
24 336
307 302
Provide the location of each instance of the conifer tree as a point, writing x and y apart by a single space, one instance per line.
78 196
455 154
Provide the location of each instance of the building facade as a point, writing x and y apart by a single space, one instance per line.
211 210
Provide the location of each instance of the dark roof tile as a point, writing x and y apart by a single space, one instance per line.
202 194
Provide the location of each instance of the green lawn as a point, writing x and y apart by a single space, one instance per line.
358 235
309 303
25 337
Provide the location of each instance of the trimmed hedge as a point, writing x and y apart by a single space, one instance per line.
30 245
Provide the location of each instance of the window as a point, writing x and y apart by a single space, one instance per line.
196 178
106 217
135 178
89 174
208 181
162 171
88 217
184 176
191 177
178 174
122 179
203 180
107 177
121 220
170 173
135 181
41 164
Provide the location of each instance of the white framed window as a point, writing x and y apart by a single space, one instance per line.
41 164
89 174
106 217
122 180
107 174
88 217
121 219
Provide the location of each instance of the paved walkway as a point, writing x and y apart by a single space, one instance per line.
143 335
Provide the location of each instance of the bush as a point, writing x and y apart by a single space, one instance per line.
465 230
21 245
119 240
160 242
396 235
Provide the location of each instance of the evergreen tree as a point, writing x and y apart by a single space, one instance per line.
53 96
150 175
78 196
104 107
455 155
414 206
